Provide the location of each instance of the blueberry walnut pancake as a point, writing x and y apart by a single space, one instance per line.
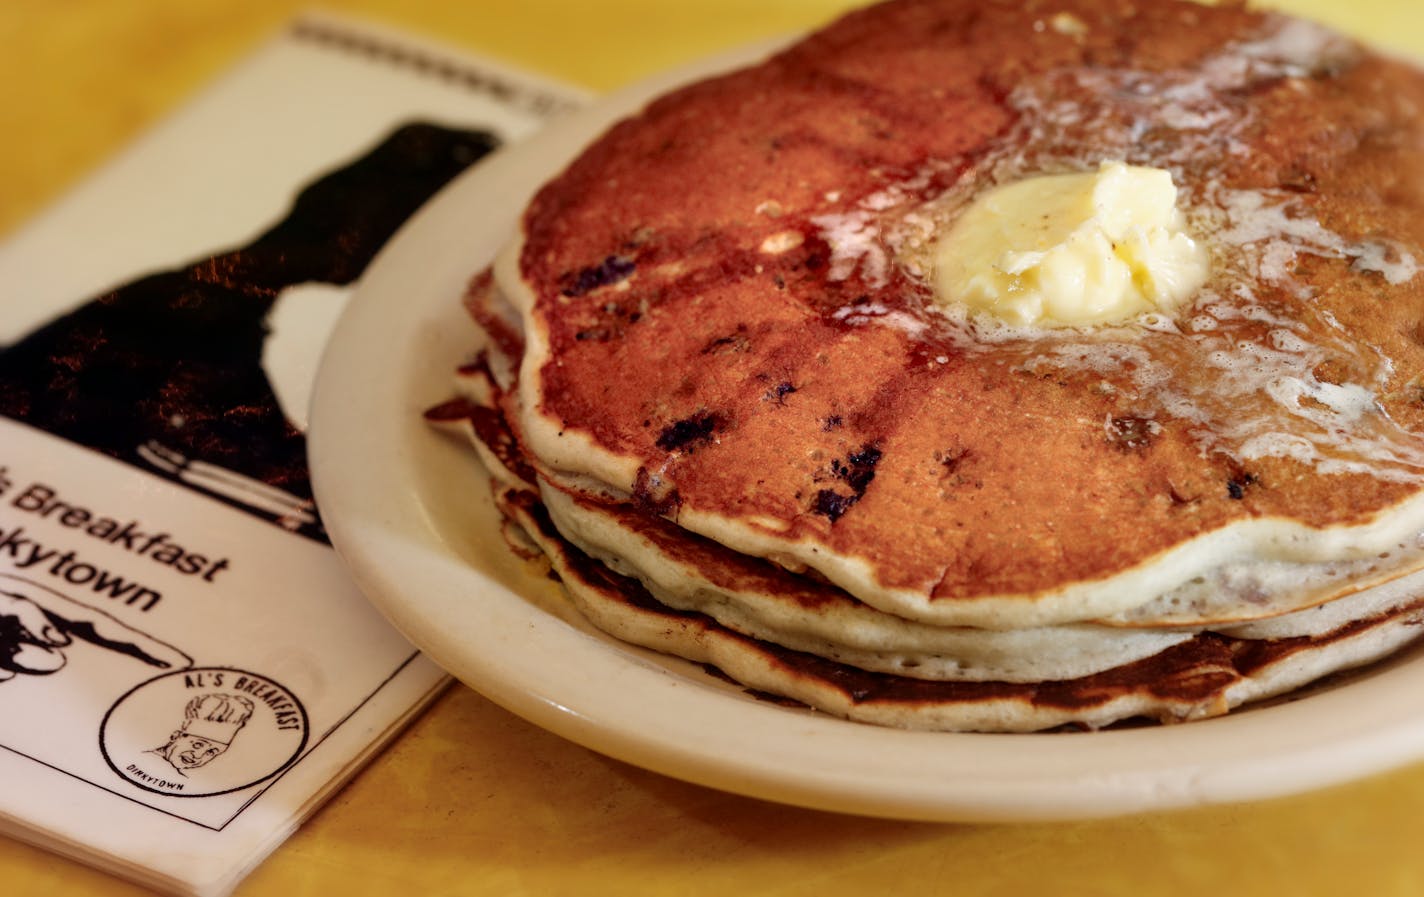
983 365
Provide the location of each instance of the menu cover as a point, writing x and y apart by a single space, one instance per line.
185 669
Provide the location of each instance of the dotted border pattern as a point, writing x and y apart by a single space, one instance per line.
432 63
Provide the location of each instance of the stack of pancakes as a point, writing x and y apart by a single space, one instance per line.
718 393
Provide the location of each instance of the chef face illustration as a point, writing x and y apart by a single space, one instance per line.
210 724
202 756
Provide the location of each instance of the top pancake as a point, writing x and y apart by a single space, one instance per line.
727 313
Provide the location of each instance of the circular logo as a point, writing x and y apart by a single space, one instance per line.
203 731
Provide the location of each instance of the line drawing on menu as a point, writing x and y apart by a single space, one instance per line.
189 374
39 625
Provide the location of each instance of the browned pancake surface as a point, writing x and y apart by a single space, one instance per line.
769 389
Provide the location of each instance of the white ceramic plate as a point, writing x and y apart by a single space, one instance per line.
409 510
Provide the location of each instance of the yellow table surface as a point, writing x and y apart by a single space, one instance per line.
474 801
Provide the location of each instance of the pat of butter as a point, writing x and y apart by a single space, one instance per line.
1072 249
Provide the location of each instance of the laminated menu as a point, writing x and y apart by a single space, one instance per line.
186 670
